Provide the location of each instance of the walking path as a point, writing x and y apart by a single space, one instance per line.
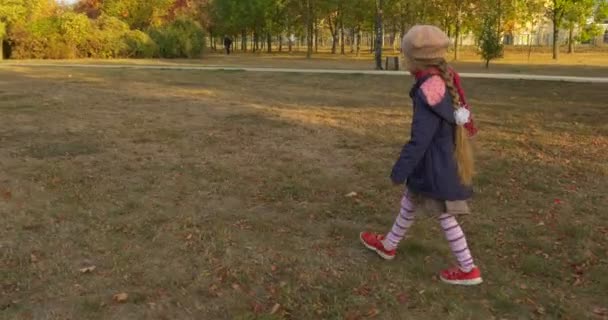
503 76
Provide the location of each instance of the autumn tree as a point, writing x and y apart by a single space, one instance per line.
92 8
139 14
11 11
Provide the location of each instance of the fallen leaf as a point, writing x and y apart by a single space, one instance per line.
600 311
236 287
402 298
120 297
257 307
88 269
189 236
373 312
557 201
213 290
363 291
351 195
540 310
7 195
274 268
275 308
33 258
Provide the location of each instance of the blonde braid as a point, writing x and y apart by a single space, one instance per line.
463 152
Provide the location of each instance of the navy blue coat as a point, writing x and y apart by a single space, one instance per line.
427 161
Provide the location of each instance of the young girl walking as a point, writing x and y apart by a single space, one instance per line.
437 163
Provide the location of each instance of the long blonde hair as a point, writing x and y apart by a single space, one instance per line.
463 151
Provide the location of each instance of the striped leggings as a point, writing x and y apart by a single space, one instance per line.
449 224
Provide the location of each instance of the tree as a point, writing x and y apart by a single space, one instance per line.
309 27
11 11
2 35
557 11
490 44
36 9
379 33
601 11
92 8
571 14
357 16
139 14
576 16
529 13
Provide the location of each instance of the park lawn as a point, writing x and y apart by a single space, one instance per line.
221 195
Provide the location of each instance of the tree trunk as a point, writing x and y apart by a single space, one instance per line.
372 39
352 40
211 40
358 41
334 35
457 35
342 51
257 41
557 17
394 37
309 28
555 40
289 43
268 42
529 47
379 33
1 48
571 39
281 42
244 41
316 35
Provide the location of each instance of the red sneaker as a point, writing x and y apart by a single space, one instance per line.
373 242
459 277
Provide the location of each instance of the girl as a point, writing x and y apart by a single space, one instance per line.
437 163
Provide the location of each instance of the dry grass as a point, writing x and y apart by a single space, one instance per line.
220 195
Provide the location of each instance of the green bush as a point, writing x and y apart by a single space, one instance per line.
75 30
74 35
106 39
183 38
40 39
139 45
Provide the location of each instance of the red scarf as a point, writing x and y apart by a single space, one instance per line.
470 126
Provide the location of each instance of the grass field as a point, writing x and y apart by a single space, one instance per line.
221 195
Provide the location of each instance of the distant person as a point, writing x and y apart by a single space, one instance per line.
227 44
436 164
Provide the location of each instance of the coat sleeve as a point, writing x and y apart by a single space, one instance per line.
424 126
